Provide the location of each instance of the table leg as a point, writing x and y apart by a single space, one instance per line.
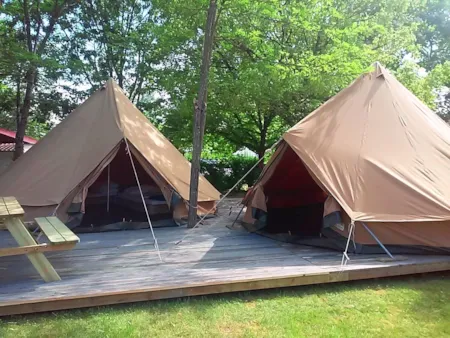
24 238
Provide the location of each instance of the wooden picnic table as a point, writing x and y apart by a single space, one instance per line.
61 238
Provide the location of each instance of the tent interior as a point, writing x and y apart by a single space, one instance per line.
295 201
117 200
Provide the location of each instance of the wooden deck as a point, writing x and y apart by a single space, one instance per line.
122 267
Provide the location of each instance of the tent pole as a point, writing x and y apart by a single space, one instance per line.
377 240
107 198
143 199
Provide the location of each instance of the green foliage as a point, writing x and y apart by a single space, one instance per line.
7 107
422 85
433 37
216 147
31 57
441 78
115 39
225 172
430 87
37 130
274 61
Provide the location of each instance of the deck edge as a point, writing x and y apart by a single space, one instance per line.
147 294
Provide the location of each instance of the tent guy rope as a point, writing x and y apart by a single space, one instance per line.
230 190
143 200
109 183
351 236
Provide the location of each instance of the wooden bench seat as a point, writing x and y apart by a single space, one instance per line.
56 231
60 238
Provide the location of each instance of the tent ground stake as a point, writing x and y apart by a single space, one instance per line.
240 212
351 232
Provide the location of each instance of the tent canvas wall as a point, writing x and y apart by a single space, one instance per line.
373 154
55 175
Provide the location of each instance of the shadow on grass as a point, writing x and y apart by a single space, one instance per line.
434 288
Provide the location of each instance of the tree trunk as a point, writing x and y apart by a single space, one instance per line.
120 78
24 112
18 99
200 113
30 76
262 146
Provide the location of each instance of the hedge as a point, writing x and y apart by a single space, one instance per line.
224 173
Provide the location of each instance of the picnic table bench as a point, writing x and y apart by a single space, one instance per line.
59 236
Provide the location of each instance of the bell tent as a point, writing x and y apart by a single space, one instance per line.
373 161
97 161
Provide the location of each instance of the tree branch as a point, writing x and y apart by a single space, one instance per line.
27 25
38 29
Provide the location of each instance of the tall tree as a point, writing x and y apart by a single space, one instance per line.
433 34
35 21
277 60
433 39
274 60
200 111
117 39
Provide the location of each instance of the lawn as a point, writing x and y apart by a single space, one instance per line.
402 307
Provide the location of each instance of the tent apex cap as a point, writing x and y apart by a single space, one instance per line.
111 80
379 69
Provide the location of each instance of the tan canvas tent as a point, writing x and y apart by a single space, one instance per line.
373 154
89 146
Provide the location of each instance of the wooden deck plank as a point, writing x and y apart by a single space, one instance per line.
121 267
190 274
152 263
190 271
250 263
195 289
149 261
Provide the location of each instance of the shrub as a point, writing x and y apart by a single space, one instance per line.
224 173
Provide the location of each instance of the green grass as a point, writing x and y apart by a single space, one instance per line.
403 307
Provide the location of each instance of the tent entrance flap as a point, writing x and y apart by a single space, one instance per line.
114 201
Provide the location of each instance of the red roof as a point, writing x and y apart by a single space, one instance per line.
7 136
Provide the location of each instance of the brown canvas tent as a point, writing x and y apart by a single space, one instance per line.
90 147
373 154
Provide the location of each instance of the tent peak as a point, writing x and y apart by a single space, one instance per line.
111 80
377 64
379 69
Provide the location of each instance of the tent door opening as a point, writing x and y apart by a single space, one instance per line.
303 221
295 202
114 202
